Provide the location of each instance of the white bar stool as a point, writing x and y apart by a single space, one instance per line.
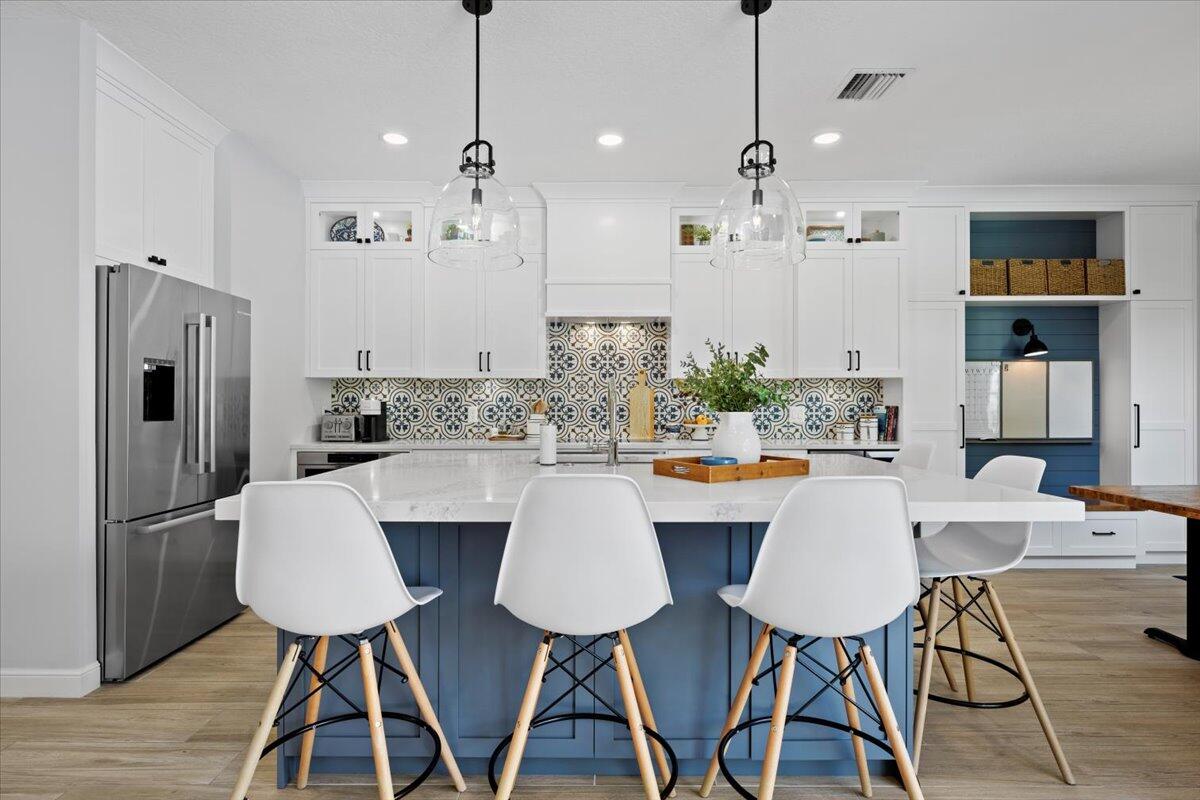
967 555
582 563
290 529
914 454
829 536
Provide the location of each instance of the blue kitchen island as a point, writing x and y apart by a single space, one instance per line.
446 518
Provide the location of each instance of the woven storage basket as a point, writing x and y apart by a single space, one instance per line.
989 276
1066 276
1106 276
1027 276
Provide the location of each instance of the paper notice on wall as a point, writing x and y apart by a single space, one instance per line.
982 400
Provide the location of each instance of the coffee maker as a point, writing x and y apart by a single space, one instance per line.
374 420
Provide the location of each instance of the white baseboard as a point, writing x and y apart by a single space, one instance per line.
1079 562
1163 558
49 682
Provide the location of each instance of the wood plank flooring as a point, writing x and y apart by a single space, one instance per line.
1126 709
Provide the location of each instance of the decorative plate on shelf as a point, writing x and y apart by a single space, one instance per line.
825 233
346 230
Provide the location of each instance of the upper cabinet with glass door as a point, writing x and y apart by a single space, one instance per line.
383 226
691 230
838 226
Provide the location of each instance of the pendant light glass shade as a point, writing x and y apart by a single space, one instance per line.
758 226
475 225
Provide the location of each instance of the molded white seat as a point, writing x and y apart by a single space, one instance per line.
296 528
914 454
983 548
828 534
582 556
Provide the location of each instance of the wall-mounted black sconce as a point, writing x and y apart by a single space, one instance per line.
1035 346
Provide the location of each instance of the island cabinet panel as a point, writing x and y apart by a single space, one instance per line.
346 747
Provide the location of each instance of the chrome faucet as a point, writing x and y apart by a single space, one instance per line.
613 433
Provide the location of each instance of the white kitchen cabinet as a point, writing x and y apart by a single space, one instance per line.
937 253
533 230
179 203
121 123
841 225
1162 252
391 226
736 309
364 314
1162 384
934 384
485 324
849 307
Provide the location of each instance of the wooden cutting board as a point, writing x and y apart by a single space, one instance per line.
641 410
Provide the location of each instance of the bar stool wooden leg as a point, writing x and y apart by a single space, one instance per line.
516 748
860 750
908 773
964 639
312 710
739 703
927 652
383 767
423 705
629 699
953 684
266 722
643 702
1027 678
783 694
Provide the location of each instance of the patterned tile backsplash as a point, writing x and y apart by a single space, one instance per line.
579 361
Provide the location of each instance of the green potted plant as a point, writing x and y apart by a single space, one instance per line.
733 388
703 235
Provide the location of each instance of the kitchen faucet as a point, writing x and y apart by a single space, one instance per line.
613 433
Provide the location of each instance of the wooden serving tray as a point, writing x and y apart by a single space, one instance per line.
507 437
691 469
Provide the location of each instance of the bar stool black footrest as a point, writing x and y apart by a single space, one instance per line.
650 733
420 723
955 701
750 723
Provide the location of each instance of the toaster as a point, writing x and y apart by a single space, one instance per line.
341 428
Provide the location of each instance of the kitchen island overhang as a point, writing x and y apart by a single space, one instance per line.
446 517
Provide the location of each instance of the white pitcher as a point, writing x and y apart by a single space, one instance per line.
737 437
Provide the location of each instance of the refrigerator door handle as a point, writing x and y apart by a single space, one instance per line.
212 394
194 383
174 523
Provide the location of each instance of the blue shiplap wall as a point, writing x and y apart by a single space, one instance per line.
1050 238
1072 333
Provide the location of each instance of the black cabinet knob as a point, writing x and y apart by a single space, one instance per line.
1137 291
962 291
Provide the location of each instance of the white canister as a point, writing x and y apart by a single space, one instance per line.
548 451
868 429
843 432
737 437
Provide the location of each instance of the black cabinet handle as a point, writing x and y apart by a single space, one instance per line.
489 360
1137 425
360 360
1104 533
962 291
962 415
849 361
480 361
162 262
858 357
368 361
1137 291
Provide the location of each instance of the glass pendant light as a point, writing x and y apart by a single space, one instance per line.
759 223
475 224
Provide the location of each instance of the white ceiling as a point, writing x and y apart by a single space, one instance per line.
1001 93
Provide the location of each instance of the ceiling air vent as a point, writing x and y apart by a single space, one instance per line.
870 84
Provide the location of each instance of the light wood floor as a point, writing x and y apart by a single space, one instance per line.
1127 711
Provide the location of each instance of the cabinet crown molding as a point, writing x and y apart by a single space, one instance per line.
618 191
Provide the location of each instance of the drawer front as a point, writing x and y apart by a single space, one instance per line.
1099 537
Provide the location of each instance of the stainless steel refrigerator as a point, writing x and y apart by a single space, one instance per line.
173 436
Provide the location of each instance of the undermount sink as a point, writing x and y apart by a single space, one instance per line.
572 459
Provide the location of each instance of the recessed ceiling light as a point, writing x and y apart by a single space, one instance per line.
395 138
841 215
828 137
610 139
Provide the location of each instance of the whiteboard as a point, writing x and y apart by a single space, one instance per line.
982 419
1024 395
1070 401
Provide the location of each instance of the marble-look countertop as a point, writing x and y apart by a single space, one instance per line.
401 445
473 486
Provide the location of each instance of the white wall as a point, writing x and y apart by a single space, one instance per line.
260 255
47 371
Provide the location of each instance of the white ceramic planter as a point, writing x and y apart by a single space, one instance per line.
737 437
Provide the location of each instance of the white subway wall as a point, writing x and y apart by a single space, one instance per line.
47 359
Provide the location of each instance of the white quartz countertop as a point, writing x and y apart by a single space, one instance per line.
401 445
473 486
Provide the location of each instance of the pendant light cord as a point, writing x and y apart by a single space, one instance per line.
477 95
757 181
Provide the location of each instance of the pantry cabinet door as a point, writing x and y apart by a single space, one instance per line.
392 310
514 323
876 311
697 309
179 201
453 337
335 340
822 320
934 383
761 311
1163 374
1162 252
120 175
